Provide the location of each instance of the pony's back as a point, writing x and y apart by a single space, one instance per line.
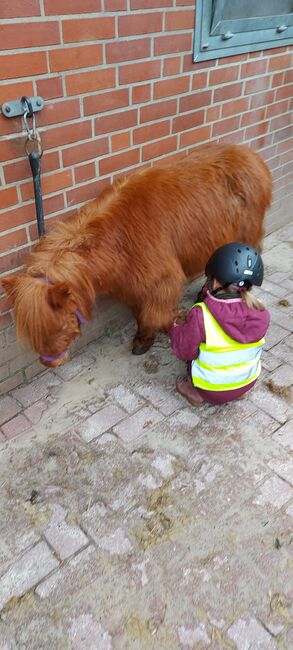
220 193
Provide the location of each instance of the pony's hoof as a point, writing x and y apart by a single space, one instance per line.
141 346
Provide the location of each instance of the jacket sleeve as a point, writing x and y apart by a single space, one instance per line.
185 339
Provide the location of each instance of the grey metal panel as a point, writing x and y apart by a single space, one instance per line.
209 46
255 37
251 24
241 49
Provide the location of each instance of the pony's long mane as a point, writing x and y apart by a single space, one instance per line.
39 321
59 258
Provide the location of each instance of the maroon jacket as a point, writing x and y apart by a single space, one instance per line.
241 323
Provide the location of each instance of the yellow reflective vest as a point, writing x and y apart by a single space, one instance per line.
222 363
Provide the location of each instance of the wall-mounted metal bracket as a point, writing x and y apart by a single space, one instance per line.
17 108
26 107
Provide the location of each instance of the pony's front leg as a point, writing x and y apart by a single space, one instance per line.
157 313
143 339
152 319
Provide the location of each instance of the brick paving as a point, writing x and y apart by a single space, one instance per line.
130 520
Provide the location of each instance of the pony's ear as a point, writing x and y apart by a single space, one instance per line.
58 295
10 286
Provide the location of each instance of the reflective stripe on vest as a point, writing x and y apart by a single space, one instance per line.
222 363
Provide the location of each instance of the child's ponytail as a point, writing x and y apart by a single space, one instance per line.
245 293
251 301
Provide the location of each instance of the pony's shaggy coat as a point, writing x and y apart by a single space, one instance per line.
140 241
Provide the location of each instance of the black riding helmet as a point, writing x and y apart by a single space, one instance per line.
236 263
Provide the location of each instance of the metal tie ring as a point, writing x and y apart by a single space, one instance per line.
33 145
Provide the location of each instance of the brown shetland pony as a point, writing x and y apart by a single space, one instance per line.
140 241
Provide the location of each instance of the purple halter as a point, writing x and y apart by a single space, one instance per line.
79 316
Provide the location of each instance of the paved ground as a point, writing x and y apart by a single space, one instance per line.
130 520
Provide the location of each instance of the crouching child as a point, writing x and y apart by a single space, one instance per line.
223 334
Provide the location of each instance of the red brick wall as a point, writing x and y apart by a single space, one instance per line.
122 91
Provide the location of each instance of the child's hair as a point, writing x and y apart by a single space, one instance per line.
245 293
